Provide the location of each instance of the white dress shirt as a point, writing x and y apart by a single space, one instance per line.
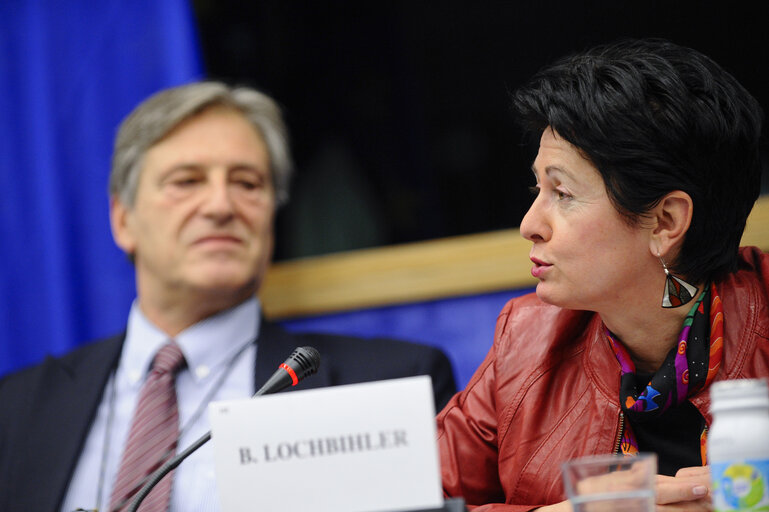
219 347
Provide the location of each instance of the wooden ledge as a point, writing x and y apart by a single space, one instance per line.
435 269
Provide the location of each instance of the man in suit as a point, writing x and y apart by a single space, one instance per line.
198 172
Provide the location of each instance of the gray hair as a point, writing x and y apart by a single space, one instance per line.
158 115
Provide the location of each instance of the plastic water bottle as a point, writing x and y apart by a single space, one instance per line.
738 445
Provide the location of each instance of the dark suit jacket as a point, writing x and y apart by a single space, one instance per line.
46 411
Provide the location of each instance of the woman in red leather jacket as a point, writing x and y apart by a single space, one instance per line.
648 166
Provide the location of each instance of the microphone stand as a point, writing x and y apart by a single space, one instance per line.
449 505
304 361
166 468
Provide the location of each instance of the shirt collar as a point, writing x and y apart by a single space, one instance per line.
207 345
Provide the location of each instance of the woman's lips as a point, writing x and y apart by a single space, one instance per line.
539 268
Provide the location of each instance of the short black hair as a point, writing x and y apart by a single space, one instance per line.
654 117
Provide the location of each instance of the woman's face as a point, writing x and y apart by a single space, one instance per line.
585 254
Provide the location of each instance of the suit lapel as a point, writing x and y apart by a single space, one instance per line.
66 400
274 345
69 392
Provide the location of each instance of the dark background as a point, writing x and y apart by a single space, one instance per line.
399 111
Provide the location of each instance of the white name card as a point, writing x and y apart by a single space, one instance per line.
358 448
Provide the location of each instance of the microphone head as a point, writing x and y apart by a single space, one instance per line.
305 361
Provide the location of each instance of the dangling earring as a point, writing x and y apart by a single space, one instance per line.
677 291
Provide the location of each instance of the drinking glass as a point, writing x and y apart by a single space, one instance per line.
610 483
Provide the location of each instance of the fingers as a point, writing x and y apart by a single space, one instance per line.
564 506
695 472
676 491
688 506
689 485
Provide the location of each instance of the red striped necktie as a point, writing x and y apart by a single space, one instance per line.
153 436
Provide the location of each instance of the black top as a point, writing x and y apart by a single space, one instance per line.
674 436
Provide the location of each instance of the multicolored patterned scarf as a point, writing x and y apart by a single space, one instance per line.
689 367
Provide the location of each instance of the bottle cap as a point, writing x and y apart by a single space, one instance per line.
739 394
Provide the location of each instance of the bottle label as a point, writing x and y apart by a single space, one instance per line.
741 485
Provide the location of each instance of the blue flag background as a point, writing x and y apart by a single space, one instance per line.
69 72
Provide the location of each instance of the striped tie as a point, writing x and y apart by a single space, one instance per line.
153 435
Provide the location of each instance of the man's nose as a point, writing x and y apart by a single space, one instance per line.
217 202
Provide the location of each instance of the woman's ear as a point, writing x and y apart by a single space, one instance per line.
670 222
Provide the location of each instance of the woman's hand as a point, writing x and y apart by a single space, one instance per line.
563 506
689 490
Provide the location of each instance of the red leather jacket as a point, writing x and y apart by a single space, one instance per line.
548 392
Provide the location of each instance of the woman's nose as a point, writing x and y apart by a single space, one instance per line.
534 226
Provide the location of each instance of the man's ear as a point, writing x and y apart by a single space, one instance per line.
671 219
120 222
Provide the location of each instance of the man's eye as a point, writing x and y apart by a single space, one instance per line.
184 182
247 184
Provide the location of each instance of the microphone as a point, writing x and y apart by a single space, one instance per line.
303 362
